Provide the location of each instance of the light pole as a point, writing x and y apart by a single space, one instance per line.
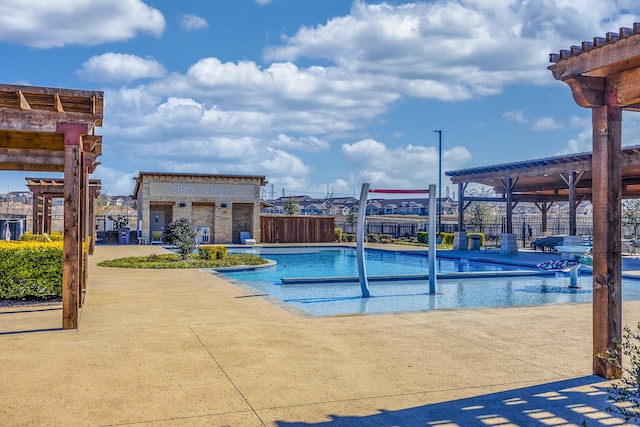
439 180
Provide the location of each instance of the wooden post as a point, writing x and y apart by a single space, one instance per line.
35 211
71 259
46 213
92 220
461 190
508 186
570 180
607 254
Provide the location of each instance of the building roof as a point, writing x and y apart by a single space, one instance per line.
545 178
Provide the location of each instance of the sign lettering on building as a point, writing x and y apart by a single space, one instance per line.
237 192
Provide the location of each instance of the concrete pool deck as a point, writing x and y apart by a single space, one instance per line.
184 347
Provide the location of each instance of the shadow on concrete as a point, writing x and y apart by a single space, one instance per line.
32 310
575 402
30 331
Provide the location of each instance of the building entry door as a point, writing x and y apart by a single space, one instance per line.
157 221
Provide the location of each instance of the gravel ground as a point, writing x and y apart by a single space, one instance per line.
29 302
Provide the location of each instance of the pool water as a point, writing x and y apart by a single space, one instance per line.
339 262
323 297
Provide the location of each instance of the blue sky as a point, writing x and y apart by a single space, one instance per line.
317 95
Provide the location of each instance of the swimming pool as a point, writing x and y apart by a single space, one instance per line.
309 262
319 295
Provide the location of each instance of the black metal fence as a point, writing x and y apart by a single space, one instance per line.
526 228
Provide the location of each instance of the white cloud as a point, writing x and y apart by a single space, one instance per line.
539 124
119 67
244 117
546 123
263 2
582 143
515 116
451 50
305 143
190 22
46 24
402 166
119 183
278 161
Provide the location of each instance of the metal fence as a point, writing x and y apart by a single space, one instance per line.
493 230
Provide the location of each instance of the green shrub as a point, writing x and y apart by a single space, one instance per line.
212 252
173 261
625 393
373 238
447 238
337 234
30 237
347 237
30 270
386 238
423 237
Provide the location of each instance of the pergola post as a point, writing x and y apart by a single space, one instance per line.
461 189
570 180
46 213
71 283
35 212
607 255
92 219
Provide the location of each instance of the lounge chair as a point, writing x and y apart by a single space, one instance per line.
547 244
245 238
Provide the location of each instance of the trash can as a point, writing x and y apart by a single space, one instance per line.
474 242
123 236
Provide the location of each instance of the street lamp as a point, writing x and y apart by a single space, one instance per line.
439 180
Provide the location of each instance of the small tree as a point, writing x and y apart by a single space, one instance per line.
478 214
352 219
631 214
291 207
626 392
182 234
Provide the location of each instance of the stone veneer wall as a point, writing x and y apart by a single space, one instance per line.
225 212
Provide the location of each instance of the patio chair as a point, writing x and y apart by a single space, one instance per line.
245 238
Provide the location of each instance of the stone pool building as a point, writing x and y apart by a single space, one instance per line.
219 206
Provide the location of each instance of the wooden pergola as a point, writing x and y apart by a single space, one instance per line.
53 130
543 182
604 75
44 190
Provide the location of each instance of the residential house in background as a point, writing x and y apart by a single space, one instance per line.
343 206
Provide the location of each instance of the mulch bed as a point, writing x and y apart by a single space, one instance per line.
30 302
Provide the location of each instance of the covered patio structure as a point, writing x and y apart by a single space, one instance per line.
53 130
544 182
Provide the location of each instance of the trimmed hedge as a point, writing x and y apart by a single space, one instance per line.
212 252
30 237
30 269
423 237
